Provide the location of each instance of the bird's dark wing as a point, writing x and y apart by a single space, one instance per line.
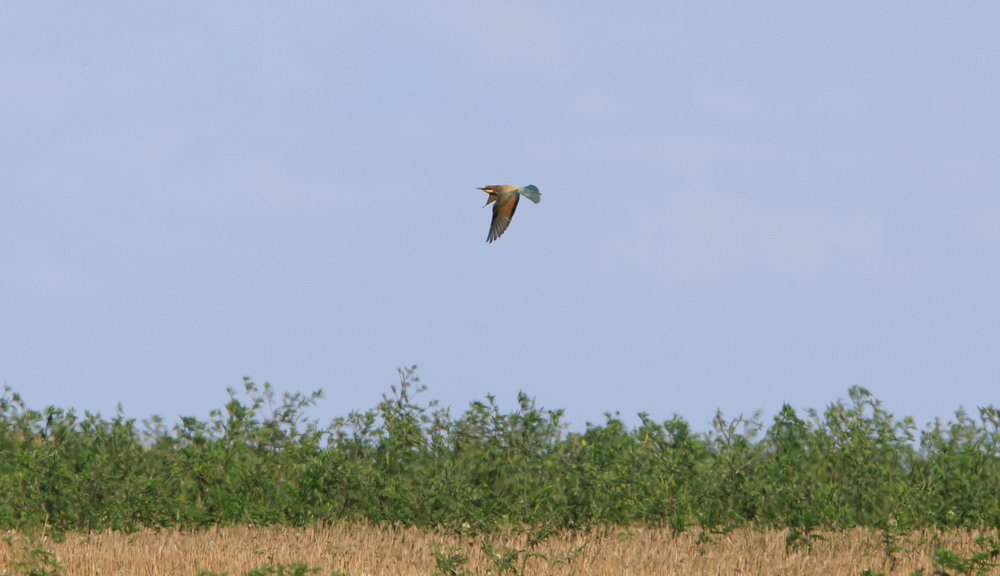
503 211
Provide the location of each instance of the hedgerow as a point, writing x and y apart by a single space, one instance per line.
261 460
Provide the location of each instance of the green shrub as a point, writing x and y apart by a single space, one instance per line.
259 459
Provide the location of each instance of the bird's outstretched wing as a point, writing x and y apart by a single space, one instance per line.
503 211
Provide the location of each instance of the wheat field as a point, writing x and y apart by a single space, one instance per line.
361 549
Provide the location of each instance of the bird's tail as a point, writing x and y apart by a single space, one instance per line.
531 193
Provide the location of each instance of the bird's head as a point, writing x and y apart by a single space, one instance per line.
491 190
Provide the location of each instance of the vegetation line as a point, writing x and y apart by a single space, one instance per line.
260 460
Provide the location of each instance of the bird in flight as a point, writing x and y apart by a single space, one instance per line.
506 197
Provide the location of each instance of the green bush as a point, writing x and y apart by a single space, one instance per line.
261 460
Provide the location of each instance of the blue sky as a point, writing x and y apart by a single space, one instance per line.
742 205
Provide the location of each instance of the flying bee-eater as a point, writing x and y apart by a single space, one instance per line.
506 197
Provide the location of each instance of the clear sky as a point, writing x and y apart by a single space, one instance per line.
743 204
